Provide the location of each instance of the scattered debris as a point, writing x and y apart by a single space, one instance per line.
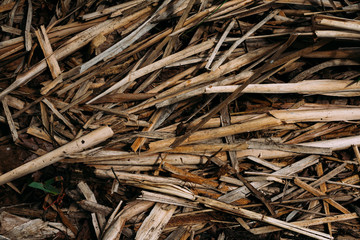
179 119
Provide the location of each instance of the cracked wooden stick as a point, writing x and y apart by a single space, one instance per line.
78 145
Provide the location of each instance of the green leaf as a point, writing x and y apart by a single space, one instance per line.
46 188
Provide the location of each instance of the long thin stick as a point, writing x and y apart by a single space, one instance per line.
77 145
218 45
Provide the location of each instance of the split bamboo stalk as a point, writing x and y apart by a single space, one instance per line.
27 34
152 227
279 117
132 209
264 163
320 172
218 63
40 133
192 21
166 188
56 155
162 198
153 120
6 6
129 168
196 91
222 70
325 3
157 65
331 63
121 158
73 45
313 133
171 44
354 179
10 120
296 54
260 217
214 122
294 148
339 114
329 175
254 125
218 45
110 10
344 23
323 87
48 52
336 34
174 79
207 77
231 9
207 148
112 216
334 144
344 182
94 207
291 129
162 12
288 170
178 141
59 115
15 103
307 223
98 218
342 54
357 153
188 176
142 177
319 193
